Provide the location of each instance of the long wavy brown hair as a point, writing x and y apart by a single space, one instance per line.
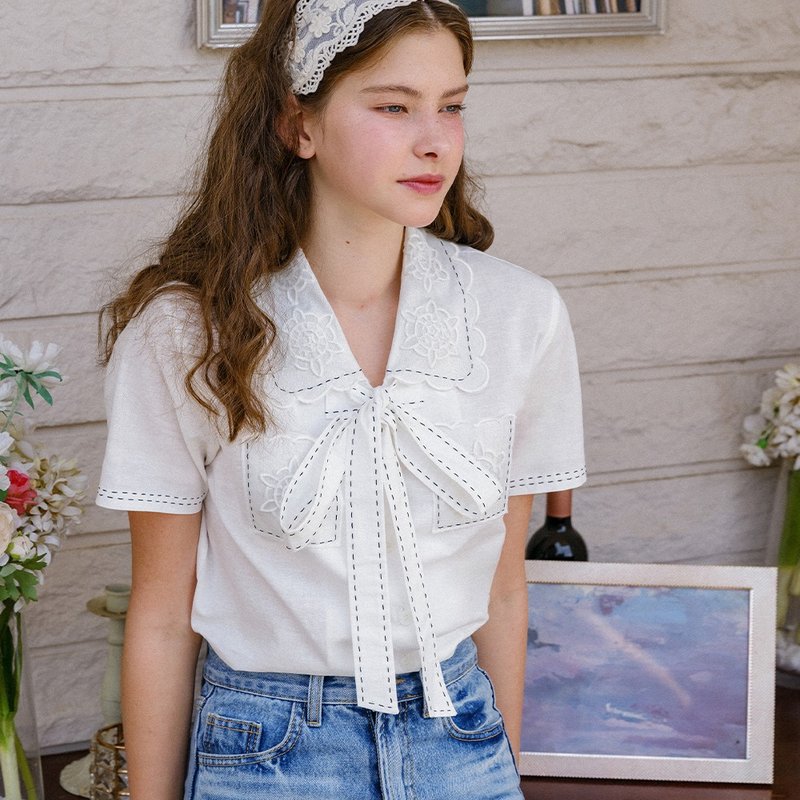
251 207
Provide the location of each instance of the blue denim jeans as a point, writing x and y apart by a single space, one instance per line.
298 737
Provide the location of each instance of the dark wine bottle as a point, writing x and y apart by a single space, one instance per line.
557 540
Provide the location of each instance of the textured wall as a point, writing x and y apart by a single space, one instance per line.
654 179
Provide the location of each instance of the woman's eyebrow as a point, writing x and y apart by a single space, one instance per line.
410 91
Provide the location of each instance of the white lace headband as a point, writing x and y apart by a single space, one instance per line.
324 28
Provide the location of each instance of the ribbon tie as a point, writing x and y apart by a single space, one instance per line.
360 453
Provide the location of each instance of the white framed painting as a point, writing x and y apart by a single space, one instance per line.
650 672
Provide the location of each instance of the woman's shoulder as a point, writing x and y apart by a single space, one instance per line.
503 281
168 323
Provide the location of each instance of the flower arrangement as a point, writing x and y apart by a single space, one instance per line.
774 432
771 435
40 502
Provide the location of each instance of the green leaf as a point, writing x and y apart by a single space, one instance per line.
29 592
40 390
50 373
8 569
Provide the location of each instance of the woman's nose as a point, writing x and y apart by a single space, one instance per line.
434 138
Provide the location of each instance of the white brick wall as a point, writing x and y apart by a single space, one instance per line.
654 179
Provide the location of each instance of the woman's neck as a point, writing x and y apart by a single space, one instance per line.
355 265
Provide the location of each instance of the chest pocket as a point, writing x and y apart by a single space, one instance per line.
490 443
269 463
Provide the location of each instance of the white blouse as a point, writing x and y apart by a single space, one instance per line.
360 534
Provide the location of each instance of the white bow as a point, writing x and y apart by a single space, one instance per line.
361 452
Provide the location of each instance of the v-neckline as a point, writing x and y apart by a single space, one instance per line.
339 330
435 339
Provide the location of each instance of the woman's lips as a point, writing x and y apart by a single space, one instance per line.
424 184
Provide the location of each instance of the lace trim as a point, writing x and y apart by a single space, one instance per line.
323 29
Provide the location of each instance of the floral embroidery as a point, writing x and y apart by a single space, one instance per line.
431 332
275 485
319 23
423 263
296 288
320 36
312 340
437 339
493 460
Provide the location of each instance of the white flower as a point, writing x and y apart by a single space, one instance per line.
39 357
755 455
770 401
20 548
788 377
9 521
8 389
755 425
775 431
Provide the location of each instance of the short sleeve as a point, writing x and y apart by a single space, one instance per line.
159 438
547 454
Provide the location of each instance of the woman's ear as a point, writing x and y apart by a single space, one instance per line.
296 129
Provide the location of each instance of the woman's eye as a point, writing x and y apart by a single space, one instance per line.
392 109
456 108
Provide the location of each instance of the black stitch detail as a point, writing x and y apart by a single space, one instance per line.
317 385
249 492
441 489
300 473
279 534
357 634
496 514
150 494
149 497
415 553
552 477
439 436
306 461
347 413
381 554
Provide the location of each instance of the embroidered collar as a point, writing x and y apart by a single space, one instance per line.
436 339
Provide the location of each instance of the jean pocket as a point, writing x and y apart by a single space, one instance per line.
239 729
477 717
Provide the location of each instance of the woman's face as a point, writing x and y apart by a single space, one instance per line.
390 140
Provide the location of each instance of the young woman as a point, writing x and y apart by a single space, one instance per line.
328 413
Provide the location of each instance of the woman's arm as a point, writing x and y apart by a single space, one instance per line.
502 640
160 653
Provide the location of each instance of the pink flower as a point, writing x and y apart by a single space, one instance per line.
21 495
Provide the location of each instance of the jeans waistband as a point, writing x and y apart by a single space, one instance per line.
335 688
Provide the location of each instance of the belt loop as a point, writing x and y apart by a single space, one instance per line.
314 705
